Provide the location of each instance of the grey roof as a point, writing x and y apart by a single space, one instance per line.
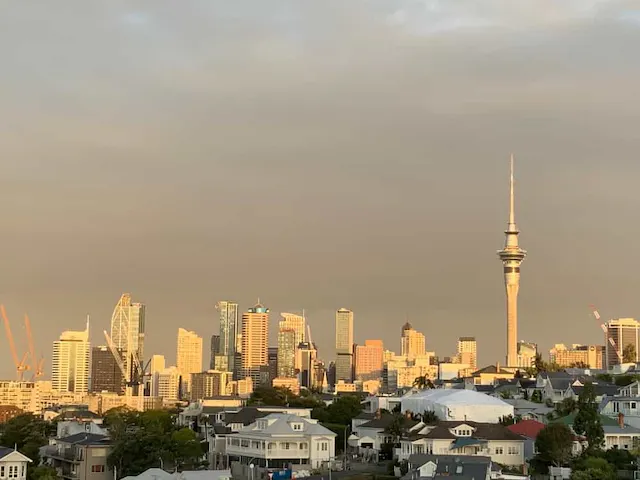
616 430
245 416
456 466
282 424
4 451
385 420
86 439
419 459
484 388
485 431
599 388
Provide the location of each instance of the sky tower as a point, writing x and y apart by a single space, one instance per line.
512 256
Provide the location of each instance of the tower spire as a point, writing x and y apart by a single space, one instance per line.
512 209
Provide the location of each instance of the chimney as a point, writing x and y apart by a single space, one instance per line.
498 367
621 419
378 413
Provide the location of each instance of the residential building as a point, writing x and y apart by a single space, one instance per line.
373 434
229 331
490 374
255 342
626 402
529 430
526 354
188 356
21 395
344 345
412 342
369 360
281 439
423 466
106 375
82 456
157 364
622 332
70 362
215 351
13 464
594 356
168 383
286 352
211 383
464 438
617 434
127 329
467 355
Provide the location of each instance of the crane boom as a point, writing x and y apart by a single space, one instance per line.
611 341
117 357
21 365
32 350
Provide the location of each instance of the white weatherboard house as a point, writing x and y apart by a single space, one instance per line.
13 464
281 439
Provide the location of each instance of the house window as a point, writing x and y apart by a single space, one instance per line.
97 468
303 446
286 446
325 446
513 450
24 471
13 471
499 450
2 471
297 426
633 405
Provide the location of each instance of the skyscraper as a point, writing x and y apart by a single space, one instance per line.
229 330
255 341
468 353
344 345
215 351
369 360
105 373
412 342
287 352
188 355
624 333
70 362
512 256
127 329
295 323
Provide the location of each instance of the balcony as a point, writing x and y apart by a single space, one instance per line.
269 453
68 454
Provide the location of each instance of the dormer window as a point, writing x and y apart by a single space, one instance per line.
463 432
296 427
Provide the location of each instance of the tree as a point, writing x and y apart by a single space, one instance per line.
341 411
397 427
629 353
271 396
579 365
506 394
186 449
587 421
566 407
423 383
536 396
593 468
554 443
27 433
43 472
429 417
539 365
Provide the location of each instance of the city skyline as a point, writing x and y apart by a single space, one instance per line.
388 199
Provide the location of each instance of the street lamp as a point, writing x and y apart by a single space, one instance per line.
251 467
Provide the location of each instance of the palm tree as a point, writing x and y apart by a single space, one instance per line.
423 383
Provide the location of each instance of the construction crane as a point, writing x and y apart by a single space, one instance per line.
134 375
21 365
36 364
596 315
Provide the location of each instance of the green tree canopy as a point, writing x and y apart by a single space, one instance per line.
593 468
554 444
341 411
629 353
26 432
423 382
587 421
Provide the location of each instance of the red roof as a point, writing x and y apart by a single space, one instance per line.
527 428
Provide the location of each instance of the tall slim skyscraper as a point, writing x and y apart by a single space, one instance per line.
344 345
512 256
295 323
622 332
412 342
70 362
127 329
287 352
229 330
105 373
215 351
188 355
255 342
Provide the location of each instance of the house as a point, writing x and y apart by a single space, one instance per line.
491 374
617 434
527 410
553 385
600 389
529 430
372 435
159 474
13 464
280 439
446 466
82 456
373 403
627 406
465 438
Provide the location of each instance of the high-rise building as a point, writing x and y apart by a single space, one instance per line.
209 384
527 353
287 352
157 365
468 354
308 354
127 330
369 360
188 356
215 351
70 362
272 359
168 383
255 342
412 342
105 372
295 323
512 256
229 331
344 345
593 356
622 332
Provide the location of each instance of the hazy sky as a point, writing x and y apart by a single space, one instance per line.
319 154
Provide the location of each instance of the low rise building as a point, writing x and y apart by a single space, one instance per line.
82 456
592 356
13 464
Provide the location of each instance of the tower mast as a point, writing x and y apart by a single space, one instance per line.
512 256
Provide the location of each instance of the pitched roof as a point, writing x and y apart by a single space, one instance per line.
492 369
385 420
282 424
86 439
245 416
599 388
527 428
484 431
569 419
5 452
484 388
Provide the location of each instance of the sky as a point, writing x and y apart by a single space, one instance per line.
319 155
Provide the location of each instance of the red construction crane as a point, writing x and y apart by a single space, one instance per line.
21 365
36 365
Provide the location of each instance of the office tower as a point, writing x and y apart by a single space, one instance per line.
127 331
272 359
295 323
308 355
344 345
157 364
512 256
255 341
369 360
168 383
412 342
215 351
287 352
229 330
593 356
105 373
621 332
70 362
209 384
188 356
468 352
527 353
